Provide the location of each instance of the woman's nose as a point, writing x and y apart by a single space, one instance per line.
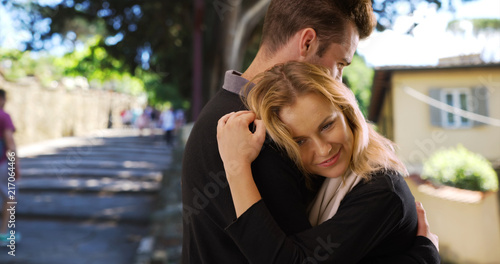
323 148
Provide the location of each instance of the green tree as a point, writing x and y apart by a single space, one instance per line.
156 35
17 64
480 24
359 77
96 64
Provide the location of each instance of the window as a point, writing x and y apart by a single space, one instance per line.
473 100
458 98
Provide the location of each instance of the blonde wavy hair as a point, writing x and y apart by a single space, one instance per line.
281 85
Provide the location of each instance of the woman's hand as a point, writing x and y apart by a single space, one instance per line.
238 146
423 226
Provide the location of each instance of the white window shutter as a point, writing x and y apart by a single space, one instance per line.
436 117
480 103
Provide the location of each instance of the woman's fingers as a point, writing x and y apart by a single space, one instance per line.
224 119
238 146
237 121
422 217
423 226
222 122
246 116
232 116
260 130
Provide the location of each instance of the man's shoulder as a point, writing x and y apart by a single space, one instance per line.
201 147
272 153
221 103
385 192
389 184
274 165
383 181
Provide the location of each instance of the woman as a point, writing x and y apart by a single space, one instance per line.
317 122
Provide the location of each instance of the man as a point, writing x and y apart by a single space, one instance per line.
168 125
7 149
324 32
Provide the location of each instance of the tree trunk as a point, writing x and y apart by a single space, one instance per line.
235 28
197 57
246 24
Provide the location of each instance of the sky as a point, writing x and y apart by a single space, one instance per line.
7 26
12 35
429 42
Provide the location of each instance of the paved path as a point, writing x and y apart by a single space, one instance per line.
87 200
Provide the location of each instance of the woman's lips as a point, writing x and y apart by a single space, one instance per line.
329 162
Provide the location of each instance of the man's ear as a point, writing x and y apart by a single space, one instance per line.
308 42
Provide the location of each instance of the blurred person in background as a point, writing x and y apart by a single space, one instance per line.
168 125
126 116
8 150
143 121
179 120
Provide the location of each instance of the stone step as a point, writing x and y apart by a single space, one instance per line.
95 163
138 148
118 207
64 172
106 155
54 241
99 138
87 200
117 147
87 185
74 161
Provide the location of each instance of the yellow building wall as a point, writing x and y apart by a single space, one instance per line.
417 138
467 225
385 123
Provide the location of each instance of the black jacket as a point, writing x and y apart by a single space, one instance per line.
376 223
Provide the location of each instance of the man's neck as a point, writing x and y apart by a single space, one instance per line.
262 63
252 70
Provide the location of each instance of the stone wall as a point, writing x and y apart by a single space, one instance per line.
41 113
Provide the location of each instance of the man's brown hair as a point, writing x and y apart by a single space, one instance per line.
328 18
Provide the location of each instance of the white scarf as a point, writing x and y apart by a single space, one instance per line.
328 199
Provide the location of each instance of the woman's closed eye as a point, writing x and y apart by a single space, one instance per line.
327 126
300 141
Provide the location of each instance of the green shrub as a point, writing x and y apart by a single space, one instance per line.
461 168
